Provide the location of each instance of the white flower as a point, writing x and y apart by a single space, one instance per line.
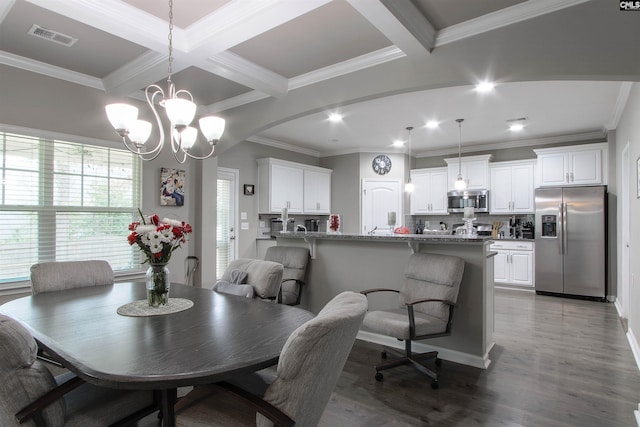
167 235
145 228
155 237
155 247
172 222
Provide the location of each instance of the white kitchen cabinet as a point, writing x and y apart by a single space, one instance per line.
574 165
513 263
282 184
317 191
429 196
511 187
474 170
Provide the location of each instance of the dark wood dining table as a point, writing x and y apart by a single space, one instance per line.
220 337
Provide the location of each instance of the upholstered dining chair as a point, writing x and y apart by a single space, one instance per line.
310 363
29 393
61 275
426 301
295 261
263 276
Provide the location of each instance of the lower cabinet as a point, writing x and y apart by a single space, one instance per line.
513 263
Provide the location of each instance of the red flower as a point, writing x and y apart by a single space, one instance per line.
132 238
176 232
155 219
133 225
187 228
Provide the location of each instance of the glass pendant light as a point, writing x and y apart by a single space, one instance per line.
409 187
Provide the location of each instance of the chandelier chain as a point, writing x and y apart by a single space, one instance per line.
170 37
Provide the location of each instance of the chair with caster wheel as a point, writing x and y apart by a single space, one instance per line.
427 298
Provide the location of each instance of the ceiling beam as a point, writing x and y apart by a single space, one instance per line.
402 23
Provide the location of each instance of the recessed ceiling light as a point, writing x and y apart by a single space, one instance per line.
432 124
516 127
335 117
398 143
485 86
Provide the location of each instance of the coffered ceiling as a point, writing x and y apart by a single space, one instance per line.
275 69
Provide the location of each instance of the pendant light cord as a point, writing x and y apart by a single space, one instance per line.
459 146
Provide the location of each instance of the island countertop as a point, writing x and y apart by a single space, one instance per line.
421 238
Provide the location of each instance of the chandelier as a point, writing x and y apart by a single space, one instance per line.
460 183
180 110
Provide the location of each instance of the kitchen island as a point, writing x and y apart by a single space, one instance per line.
357 262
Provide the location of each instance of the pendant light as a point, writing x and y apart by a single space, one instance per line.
409 187
180 110
460 183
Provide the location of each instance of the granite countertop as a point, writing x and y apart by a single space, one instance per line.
426 238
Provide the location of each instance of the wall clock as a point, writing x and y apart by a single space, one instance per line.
381 164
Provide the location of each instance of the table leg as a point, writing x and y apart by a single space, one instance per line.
169 398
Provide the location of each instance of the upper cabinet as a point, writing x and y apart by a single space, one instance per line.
574 165
317 191
474 170
298 187
429 196
511 189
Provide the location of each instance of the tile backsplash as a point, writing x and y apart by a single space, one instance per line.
432 222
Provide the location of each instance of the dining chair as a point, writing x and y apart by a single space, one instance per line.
264 277
61 275
308 369
426 301
30 395
295 261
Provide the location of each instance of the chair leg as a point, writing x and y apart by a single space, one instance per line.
409 358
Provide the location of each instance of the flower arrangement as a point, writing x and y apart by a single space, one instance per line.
157 238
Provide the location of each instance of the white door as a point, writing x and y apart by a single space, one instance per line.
227 202
624 232
379 197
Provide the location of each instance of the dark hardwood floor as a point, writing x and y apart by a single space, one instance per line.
556 362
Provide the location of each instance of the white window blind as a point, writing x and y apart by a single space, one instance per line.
63 201
223 227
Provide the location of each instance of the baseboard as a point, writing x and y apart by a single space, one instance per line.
635 348
618 307
443 353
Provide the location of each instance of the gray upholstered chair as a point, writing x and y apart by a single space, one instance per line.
263 276
308 370
60 275
295 261
63 400
427 297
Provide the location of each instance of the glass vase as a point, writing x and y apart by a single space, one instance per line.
158 285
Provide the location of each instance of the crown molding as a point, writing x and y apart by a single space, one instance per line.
45 134
49 70
621 103
282 145
556 139
501 18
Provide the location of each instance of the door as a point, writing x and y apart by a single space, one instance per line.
584 241
624 232
379 197
227 202
548 246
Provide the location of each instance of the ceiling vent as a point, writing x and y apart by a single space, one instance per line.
52 35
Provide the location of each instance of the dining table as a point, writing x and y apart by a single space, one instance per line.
204 337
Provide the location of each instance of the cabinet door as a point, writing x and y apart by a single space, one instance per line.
317 192
521 266
585 167
286 188
500 195
476 174
438 193
522 189
420 195
553 169
500 267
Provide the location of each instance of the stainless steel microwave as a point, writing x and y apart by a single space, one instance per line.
458 200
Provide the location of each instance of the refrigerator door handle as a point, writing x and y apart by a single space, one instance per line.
560 229
565 242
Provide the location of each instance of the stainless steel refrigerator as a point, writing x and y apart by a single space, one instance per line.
571 241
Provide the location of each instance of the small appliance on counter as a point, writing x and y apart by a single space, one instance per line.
276 225
312 224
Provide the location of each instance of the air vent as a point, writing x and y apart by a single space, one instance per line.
52 35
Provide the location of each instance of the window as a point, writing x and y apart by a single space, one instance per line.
62 201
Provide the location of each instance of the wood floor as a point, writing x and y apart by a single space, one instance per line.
556 362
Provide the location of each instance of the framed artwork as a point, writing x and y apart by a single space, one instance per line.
248 189
638 178
172 187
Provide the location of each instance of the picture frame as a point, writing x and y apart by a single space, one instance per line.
638 178
172 187
248 189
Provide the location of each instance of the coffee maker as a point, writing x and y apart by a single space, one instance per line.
311 224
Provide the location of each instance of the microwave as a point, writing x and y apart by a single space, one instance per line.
477 199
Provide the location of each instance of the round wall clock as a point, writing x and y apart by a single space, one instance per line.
381 164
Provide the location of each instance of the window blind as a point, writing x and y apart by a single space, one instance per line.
223 226
63 201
